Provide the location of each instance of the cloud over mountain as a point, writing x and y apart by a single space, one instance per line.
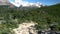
24 3
19 3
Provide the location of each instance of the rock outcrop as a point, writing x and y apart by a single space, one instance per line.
26 28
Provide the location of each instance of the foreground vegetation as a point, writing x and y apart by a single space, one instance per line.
46 17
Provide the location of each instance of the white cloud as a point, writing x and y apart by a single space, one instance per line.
24 3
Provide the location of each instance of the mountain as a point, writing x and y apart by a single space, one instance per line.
4 2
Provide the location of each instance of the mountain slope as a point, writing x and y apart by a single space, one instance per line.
53 9
46 17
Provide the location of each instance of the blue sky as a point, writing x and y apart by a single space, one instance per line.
45 2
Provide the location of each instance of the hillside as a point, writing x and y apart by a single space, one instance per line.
46 17
53 9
